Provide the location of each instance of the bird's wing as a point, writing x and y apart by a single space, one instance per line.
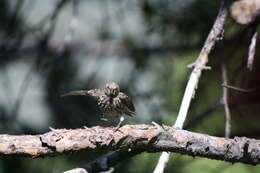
93 92
130 109
74 93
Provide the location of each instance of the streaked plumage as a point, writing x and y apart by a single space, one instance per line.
110 100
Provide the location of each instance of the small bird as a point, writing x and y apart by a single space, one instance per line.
110 100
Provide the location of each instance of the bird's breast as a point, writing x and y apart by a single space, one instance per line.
110 106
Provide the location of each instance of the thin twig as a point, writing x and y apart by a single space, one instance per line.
251 52
215 34
225 101
241 89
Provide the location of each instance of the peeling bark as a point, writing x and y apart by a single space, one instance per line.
138 137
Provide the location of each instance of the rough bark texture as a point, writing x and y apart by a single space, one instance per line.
133 137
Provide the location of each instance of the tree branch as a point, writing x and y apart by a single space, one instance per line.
133 138
225 100
122 154
215 34
252 48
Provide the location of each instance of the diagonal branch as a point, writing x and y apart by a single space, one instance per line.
242 90
215 34
136 138
252 48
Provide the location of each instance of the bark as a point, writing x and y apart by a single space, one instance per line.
133 137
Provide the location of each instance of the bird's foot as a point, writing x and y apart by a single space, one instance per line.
55 132
160 127
119 124
117 128
103 119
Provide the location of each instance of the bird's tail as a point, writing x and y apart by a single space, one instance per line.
75 93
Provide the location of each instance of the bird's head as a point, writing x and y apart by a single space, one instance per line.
112 89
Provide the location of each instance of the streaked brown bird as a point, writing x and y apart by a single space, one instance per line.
110 100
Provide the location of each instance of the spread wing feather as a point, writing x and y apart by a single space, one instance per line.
128 104
93 92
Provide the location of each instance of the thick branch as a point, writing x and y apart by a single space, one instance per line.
133 137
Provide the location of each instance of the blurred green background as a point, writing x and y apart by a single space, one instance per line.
50 47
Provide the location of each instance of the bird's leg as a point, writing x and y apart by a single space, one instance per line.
160 127
103 118
120 123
